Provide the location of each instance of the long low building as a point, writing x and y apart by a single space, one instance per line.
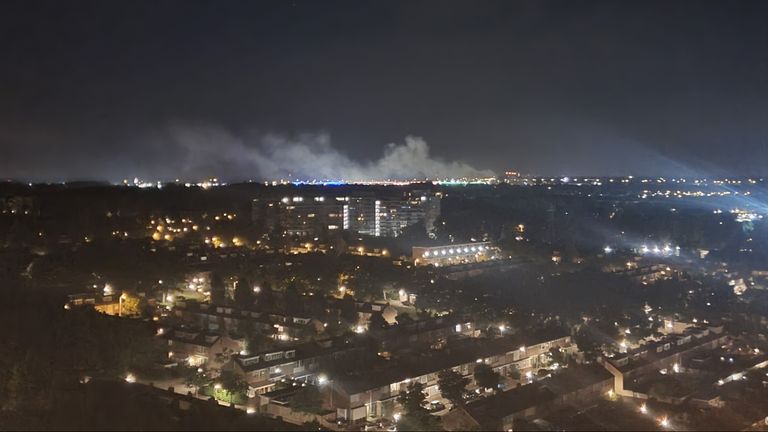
661 354
372 392
302 362
453 254
576 386
308 361
200 348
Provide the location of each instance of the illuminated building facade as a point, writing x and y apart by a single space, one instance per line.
369 215
300 216
453 254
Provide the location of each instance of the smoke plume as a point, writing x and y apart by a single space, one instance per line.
304 157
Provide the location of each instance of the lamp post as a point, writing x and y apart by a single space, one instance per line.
120 305
322 380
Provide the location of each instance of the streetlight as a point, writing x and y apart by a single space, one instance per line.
120 304
322 380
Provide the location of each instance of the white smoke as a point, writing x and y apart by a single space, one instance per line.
206 151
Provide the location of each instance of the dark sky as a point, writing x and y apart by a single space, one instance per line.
162 89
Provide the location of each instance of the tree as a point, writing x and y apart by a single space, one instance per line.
244 293
265 298
452 386
292 301
587 346
308 399
416 417
225 356
234 386
412 399
486 377
218 290
558 356
348 310
131 304
195 378
258 342
404 319
377 322
514 373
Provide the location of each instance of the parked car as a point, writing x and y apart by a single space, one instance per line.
435 406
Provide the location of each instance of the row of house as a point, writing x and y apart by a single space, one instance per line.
226 319
577 386
581 386
200 348
661 354
422 334
303 362
371 392
648 274
298 361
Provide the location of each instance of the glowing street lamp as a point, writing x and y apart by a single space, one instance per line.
120 304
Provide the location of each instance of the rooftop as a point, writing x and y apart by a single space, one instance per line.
494 408
459 352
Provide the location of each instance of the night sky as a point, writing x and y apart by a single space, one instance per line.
253 89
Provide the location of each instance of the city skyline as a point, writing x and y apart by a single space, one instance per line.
164 90
400 215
